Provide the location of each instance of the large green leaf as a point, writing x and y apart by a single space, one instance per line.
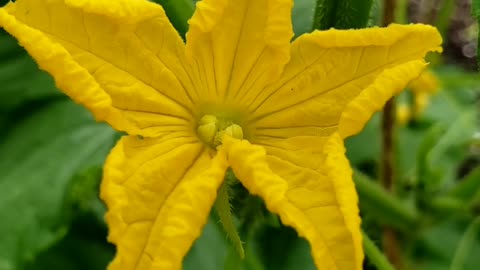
435 248
20 78
38 159
84 247
209 251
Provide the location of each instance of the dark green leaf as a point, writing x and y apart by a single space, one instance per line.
179 12
342 14
20 78
209 251
441 161
84 247
38 159
467 187
436 247
378 203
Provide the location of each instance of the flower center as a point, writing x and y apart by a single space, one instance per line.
211 129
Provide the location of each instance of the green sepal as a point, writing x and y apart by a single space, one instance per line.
224 211
341 14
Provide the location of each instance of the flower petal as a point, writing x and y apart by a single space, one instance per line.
121 59
427 82
337 79
237 47
320 204
159 193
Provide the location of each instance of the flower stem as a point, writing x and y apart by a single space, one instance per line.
374 255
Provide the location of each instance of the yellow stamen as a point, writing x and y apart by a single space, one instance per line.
212 129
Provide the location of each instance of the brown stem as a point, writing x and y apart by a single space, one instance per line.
388 151
389 236
389 12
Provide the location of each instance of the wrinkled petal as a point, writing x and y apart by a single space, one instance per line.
337 79
237 47
321 203
121 59
159 193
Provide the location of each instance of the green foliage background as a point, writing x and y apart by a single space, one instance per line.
51 154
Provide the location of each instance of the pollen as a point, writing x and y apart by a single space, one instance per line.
212 129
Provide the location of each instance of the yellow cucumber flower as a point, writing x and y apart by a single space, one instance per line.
422 88
238 94
426 85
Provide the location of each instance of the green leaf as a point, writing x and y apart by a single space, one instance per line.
476 13
20 78
178 11
363 148
83 190
380 204
281 248
38 159
209 251
302 16
435 248
341 14
466 245
467 187
84 247
447 150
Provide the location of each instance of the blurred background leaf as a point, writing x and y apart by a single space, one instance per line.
40 156
20 78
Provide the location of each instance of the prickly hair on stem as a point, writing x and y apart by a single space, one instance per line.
223 208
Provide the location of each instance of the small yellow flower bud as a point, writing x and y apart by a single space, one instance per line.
404 113
421 102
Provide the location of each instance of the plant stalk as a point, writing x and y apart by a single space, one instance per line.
389 238
374 255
